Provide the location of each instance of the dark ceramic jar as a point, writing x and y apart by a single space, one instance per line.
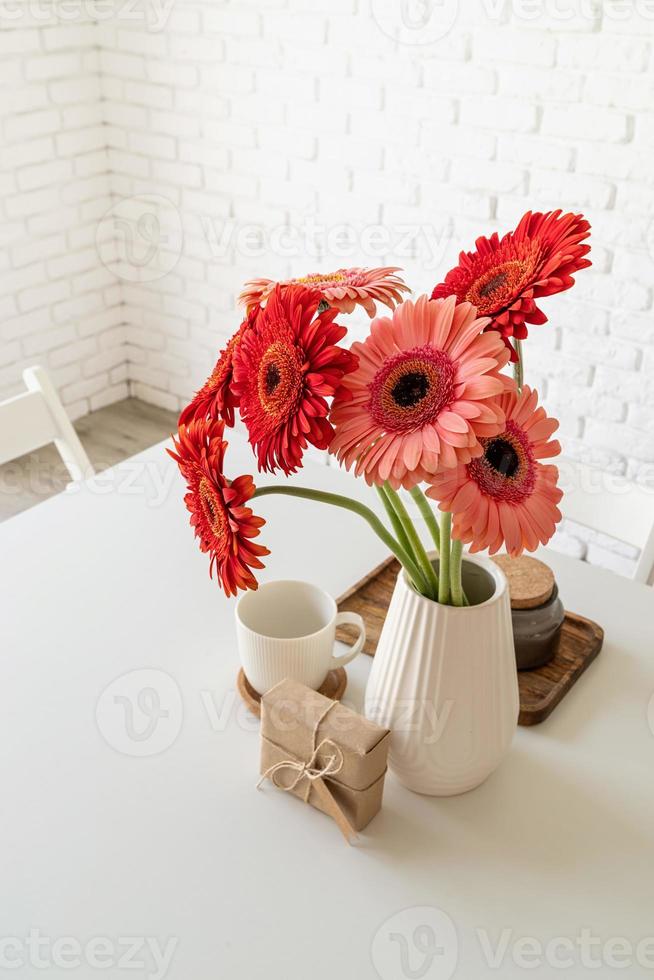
536 631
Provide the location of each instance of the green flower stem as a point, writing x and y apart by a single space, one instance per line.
420 584
446 529
337 500
428 515
456 586
417 547
519 365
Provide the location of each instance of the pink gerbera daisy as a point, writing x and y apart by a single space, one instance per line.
423 393
343 289
506 496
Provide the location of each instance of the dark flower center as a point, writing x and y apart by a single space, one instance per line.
214 512
273 377
502 456
500 285
507 469
280 379
410 389
493 284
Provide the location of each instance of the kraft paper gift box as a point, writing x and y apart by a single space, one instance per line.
323 752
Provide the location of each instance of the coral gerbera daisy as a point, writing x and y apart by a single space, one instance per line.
215 399
506 495
285 368
422 395
224 525
343 289
504 277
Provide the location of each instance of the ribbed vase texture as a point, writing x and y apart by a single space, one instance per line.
444 680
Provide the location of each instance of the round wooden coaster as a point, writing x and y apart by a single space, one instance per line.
332 687
531 582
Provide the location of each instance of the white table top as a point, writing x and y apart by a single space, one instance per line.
174 843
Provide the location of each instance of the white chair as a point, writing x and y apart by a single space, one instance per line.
37 418
610 504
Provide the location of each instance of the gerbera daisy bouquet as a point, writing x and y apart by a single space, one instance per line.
426 405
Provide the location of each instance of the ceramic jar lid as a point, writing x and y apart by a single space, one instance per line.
531 582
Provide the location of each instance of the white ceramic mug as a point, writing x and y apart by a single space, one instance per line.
288 629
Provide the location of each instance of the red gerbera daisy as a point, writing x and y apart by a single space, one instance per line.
215 399
506 495
343 289
285 368
504 277
222 523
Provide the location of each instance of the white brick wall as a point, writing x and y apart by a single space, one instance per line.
290 135
59 305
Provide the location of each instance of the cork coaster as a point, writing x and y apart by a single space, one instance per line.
332 687
531 582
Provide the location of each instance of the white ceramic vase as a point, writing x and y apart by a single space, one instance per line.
444 680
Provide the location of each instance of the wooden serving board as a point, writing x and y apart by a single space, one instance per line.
580 641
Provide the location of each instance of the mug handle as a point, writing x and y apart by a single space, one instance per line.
351 619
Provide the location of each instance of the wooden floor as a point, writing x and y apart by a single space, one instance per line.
108 435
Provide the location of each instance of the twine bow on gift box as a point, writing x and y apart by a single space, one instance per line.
315 777
308 769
